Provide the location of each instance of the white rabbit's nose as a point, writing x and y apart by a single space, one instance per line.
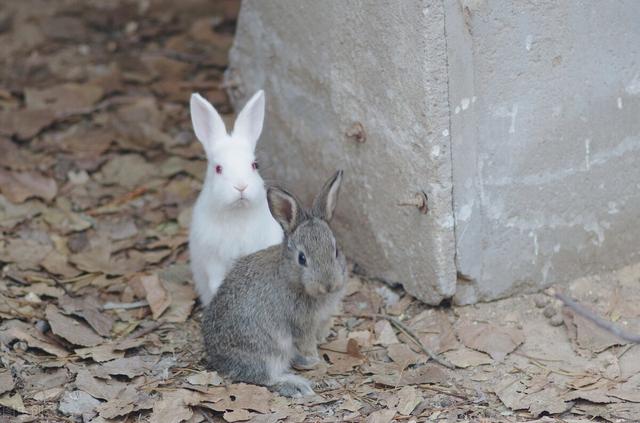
241 188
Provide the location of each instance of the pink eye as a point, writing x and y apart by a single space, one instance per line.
219 169
255 166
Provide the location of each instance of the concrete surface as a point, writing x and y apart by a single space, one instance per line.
520 122
545 133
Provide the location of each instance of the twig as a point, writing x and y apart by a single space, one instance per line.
125 306
402 327
597 320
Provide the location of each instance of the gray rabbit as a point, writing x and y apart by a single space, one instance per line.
274 305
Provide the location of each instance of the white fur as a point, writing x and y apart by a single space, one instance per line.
228 224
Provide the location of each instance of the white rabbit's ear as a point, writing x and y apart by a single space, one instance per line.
325 203
248 125
207 123
284 208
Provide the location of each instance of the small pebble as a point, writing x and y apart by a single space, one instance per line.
556 320
549 311
541 301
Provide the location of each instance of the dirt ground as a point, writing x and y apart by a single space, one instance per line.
99 320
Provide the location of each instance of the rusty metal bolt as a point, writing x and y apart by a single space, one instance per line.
356 133
419 200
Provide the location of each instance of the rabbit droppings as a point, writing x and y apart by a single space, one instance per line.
231 217
272 305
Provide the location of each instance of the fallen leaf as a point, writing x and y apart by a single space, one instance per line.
171 408
78 403
464 357
239 415
409 398
71 329
20 186
64 99
13 402
129 171
11 214
88 308
404 356
26 253
495 341
98 388
130 400
156 294
6 382
16 329
25 123
385 335
205 378
130 366
381 416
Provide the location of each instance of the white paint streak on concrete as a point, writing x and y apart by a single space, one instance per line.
528 42
633 88
435 151
445 133
620 103
536 247
457 109
464 103
503 112
556 248
587 153
630 144
473 99
465 212
613 207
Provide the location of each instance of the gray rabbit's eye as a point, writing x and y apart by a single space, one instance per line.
302 259
336 252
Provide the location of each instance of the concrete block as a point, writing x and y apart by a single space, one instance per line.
519 121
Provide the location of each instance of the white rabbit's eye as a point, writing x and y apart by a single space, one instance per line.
255 165
302 259
219 169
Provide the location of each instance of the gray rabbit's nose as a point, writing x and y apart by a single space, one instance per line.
241 188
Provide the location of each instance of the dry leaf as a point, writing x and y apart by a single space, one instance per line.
239 415
98 388
464 357
63 99
88 308
385 335
409 398
13 402
16 329
172 408
71 329
156 294
381 416
6 382
19 186
404 356
495 341
78 403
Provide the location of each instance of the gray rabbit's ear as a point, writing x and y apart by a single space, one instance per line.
284 208
325 202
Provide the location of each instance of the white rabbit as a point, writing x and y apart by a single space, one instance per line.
231 217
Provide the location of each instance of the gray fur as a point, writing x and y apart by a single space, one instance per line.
270 311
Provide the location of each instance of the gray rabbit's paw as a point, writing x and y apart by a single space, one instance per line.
294 386
302 362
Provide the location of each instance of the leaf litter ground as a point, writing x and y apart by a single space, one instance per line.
99 320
